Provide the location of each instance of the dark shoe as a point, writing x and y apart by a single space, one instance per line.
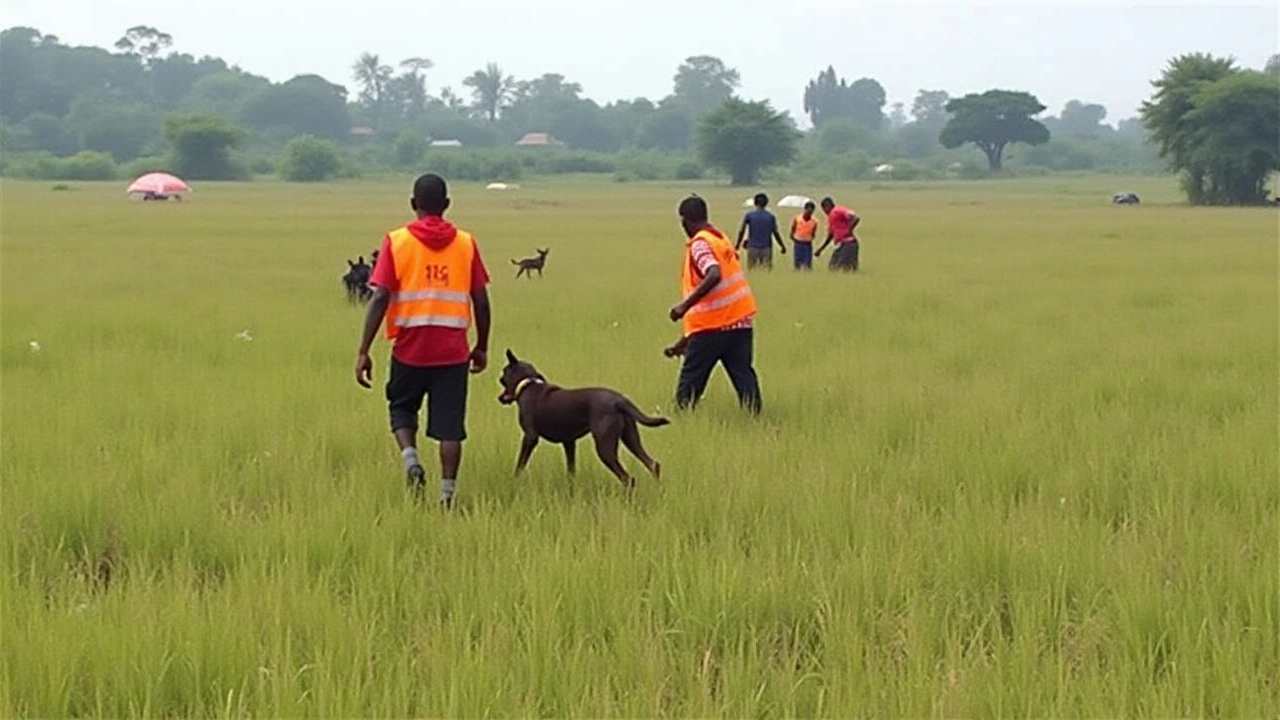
416 478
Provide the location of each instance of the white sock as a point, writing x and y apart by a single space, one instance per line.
410 456
446 489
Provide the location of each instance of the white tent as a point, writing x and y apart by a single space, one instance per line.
749 202
794 201
496 186
884 169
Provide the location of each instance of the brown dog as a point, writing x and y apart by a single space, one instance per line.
528 265
564 416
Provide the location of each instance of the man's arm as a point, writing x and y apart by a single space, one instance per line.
777 236
372 321
854 225
825 243
742 232
709 280
792 232
480 353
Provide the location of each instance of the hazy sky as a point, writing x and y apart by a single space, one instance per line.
1104 52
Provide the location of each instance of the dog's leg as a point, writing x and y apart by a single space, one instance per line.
571 456
606 437
527 444
631 438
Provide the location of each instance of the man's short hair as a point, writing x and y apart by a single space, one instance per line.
828 201
809 205
761 199
693 209
430 193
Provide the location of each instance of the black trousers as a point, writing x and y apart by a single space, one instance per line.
731 348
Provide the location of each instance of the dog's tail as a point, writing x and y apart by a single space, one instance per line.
634 413
515 262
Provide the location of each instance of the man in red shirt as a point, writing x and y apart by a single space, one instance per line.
841 222
428 282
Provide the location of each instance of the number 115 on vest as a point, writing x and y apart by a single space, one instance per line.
437 274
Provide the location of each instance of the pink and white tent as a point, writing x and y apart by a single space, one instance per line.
160 184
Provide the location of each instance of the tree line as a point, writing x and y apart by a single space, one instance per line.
84 111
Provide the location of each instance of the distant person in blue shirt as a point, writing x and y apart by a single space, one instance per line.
759 227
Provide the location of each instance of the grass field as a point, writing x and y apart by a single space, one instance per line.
1023 464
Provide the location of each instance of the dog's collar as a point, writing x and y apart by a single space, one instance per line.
520 386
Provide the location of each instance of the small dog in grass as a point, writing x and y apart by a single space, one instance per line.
563 416
528 265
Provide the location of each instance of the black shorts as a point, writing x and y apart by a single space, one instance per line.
445 389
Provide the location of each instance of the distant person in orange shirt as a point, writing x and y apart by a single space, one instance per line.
804 228
841 222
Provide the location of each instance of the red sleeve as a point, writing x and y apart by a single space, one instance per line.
384 270
479 274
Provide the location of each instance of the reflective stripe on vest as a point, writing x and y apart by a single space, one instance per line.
729 301
435 283
714 301
448 295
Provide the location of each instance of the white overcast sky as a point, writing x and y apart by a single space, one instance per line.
1104 52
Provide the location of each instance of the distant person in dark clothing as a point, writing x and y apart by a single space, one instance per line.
759 228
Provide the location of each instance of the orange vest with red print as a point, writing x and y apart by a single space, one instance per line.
435 284
729 302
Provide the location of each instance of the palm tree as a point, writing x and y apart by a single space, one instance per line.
415 83
490 88
372 76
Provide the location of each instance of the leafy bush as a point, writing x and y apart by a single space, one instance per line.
144 165
409 149
478 165
688 171
87 165
310 159
33 166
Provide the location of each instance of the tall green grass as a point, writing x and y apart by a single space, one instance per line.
1023 464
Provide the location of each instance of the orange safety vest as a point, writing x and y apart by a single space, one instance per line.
435 285
805 230
730 301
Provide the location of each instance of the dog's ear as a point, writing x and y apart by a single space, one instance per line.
511 357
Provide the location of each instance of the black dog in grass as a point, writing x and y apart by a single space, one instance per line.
528 265
563 416
356 281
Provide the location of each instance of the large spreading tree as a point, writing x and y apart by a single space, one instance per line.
1218 127
992 120
744 138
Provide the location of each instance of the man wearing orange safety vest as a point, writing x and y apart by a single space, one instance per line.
718 312
804 228
427 281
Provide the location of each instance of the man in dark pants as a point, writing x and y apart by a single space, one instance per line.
428 280
718 312
759 228
841 222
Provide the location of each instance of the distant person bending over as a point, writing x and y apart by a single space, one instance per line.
841 222
717 310
804 229
759 226
428 282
